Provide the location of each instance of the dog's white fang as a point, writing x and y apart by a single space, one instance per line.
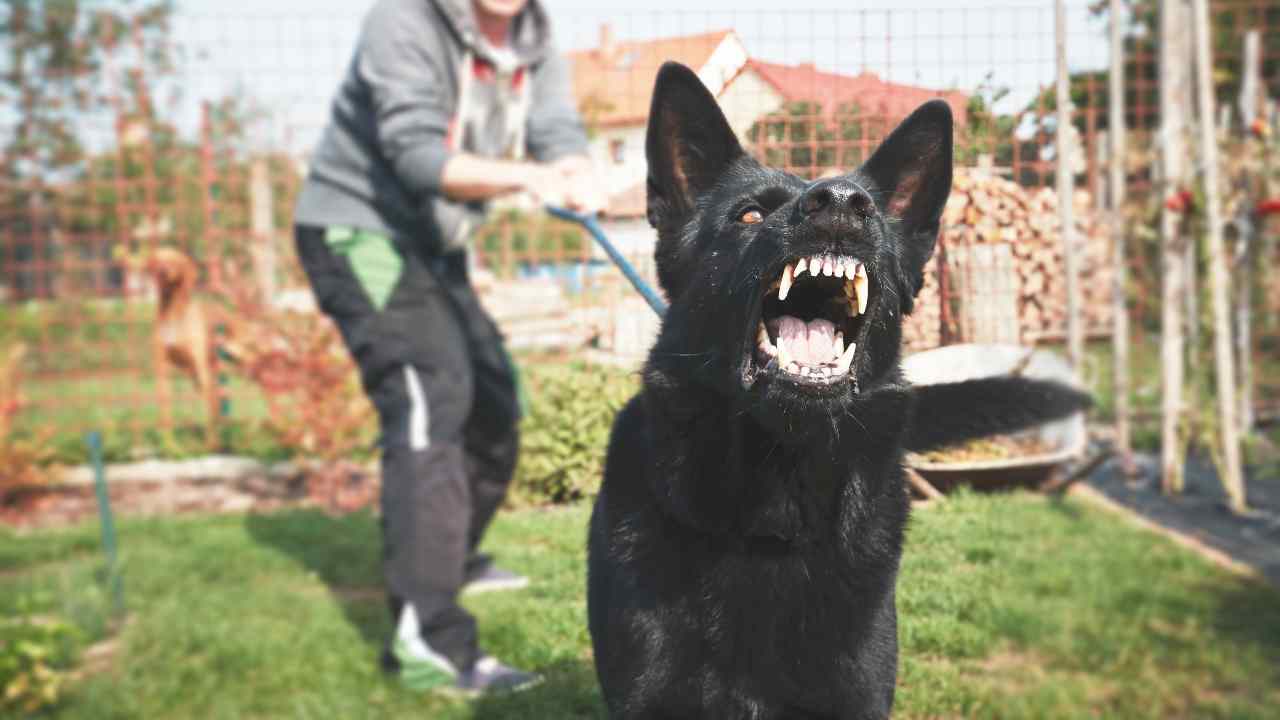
784 286
800 267
842 365
860 284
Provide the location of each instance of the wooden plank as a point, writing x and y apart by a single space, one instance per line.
1096 498
922 486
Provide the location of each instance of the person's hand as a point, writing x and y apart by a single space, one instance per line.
570 182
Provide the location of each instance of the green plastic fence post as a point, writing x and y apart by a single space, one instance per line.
224 404
107 520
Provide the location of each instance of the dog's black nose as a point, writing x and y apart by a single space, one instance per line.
835 197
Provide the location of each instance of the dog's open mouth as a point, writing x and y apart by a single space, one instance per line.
811 317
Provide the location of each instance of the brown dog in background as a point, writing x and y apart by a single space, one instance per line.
181 338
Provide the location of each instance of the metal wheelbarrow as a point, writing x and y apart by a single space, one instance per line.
1057 443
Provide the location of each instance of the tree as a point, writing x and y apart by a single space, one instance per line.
60 58
64 68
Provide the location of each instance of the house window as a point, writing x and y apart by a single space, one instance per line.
617 151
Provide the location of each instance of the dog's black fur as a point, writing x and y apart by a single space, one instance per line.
744 547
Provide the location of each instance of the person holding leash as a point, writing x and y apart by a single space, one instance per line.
446 105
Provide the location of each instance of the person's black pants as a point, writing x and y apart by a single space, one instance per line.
432 361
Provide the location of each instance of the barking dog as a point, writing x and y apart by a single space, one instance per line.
744 548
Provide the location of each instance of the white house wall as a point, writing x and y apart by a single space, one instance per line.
725 62
746 99
620 176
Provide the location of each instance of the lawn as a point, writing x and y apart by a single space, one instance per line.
1011 606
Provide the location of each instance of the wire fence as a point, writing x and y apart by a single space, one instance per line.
133 128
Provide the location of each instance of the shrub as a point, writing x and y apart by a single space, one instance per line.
566 430
21 454
315 406
34 657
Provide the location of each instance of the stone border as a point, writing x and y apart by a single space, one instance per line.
227 468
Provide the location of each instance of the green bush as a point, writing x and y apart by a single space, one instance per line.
566 430
34 658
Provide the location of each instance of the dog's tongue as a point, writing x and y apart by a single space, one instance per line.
810 343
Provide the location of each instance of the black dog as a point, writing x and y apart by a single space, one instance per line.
745 545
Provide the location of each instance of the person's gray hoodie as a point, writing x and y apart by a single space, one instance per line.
379 163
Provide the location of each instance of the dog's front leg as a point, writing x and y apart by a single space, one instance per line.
160 368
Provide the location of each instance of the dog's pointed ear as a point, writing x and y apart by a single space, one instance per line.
911 172
689 144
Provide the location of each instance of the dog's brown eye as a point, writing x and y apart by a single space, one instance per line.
751 217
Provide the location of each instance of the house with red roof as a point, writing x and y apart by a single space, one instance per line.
763 87
614 81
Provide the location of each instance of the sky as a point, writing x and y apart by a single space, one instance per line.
287 56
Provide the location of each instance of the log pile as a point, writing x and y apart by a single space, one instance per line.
988 210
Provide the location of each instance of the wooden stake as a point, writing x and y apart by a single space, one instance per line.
1248 230
1119 280
1175 102
1232 474
262 226
1066 192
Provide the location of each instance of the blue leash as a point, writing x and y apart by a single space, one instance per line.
589 222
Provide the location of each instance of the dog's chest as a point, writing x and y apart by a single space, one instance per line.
788 629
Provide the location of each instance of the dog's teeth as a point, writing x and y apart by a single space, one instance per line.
840 268
805 371
800 267
860 284
815 266
826 267
793 368
842 365
784 285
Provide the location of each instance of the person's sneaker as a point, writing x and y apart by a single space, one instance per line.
490 676
414 662
419 667
486 577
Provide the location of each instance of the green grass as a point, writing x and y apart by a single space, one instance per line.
1011 606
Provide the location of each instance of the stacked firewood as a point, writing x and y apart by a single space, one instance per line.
987 210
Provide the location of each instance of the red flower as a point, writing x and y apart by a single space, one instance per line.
1268 207
1180 202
